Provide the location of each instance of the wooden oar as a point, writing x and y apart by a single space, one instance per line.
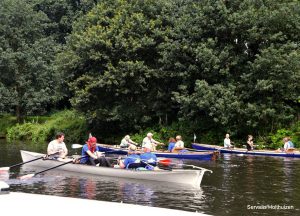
19 164
34 174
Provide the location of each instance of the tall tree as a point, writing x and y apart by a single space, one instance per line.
112 63
27 81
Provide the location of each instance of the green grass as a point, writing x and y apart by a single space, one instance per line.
42 129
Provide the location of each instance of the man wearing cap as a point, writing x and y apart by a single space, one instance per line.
91 154
149 142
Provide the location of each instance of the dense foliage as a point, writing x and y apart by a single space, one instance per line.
229 66
69 122
169 66
27 79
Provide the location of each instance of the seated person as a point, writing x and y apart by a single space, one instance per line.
291 144
148 140
227 142
91 155
57 148
171 145
126 141
250 145
147 157
179 145
288 148
132 161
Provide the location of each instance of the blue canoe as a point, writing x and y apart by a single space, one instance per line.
221 149
192 155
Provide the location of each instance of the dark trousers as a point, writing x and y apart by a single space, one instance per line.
102 161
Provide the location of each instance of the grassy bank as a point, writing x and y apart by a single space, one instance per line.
44 129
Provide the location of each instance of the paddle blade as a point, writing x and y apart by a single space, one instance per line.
165 162
2 169
75 146
28 176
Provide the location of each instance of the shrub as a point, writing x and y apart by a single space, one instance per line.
70 122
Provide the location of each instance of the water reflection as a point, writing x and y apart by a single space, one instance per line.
236 181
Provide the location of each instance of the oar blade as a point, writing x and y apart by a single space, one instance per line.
4 169
28 176
75 146
165 162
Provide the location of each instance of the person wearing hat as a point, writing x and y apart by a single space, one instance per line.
149 141
126 141
91 154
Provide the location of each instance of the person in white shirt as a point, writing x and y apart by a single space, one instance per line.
57 147
126 141
179 145
227 142
149 142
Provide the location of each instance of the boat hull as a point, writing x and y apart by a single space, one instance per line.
189 177
208 155
244 151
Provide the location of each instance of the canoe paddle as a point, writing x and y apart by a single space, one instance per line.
34 174
19 164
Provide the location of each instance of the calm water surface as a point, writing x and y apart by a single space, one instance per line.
237 184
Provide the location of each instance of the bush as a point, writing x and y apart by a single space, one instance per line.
70 122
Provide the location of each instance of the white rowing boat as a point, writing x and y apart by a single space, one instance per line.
184 176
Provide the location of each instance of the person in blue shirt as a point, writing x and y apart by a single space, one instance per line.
91 155
291 144
148 159
132 161
171 145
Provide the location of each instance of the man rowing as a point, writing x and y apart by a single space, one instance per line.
57 148
148 140
91 154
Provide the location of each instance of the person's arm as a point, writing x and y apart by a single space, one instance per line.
156 142
91 154
132 142
65 151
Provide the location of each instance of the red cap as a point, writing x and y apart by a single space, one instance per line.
92 140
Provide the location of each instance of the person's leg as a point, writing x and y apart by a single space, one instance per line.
91 161
104 162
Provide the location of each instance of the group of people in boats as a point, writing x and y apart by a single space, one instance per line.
175 144
91 154
287 147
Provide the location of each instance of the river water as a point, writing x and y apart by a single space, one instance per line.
239 185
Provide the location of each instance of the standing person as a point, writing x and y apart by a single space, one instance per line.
149 141
227 142
91 155
179 145
126 141
57 147
250 144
